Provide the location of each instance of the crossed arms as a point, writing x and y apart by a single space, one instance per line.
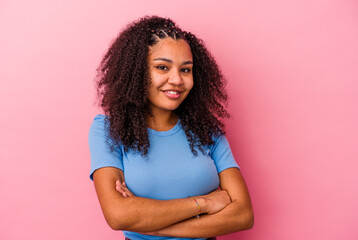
228 210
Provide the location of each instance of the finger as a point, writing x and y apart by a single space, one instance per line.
119 189
129 193
120 186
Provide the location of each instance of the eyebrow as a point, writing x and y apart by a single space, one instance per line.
170 61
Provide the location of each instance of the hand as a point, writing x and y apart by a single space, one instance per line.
122 188
216 200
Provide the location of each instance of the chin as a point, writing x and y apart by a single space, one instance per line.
171 108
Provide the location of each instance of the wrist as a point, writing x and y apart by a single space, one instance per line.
203 203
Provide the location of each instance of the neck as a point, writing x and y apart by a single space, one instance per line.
163 121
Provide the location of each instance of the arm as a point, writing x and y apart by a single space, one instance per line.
236 216
143 214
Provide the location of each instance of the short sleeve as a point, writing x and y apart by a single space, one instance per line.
98 140
222 155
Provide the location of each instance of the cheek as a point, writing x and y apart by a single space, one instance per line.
154 82
190 84
157 80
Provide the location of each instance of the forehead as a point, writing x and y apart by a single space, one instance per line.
170 48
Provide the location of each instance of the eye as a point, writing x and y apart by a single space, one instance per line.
161 67
186 70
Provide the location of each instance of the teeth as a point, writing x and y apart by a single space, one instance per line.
172 92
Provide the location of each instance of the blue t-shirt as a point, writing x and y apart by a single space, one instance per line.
171 170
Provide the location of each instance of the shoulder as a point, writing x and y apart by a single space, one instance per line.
100 118
221 153
99 123
218 140
100 146
99 130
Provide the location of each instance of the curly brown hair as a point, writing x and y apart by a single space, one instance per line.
123 80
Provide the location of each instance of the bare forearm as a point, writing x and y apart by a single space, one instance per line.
137 213
231 219
124 211
144 214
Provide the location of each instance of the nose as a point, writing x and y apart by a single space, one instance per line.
175 77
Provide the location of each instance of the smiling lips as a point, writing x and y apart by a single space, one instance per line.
173 94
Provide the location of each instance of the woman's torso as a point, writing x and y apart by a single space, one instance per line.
171 171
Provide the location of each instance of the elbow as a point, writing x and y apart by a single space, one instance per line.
115 224
248 220
116 221
244 221
124 221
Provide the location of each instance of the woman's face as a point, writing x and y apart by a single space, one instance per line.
170 65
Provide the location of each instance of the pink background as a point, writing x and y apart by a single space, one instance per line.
293 82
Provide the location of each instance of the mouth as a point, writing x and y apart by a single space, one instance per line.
172 94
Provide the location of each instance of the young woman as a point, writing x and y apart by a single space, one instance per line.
161 164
